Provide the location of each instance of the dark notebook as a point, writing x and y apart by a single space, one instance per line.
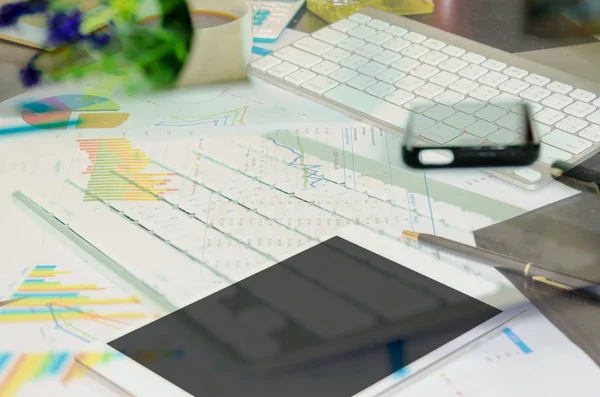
563 236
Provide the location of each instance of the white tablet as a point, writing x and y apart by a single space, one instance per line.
354 314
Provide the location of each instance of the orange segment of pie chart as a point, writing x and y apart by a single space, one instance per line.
101 120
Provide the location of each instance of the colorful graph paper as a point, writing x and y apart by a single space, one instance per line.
117 172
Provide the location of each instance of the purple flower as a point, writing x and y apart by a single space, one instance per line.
10 13
30 75
64 28
99 40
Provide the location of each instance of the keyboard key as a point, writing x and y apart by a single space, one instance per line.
434 58
533 107
511 121
594 117
559 87
429 90
493 79
460 120
449 98
453 65
557 101
336 55
517 73
473 58
473 72
387 57
409 83
343 75
372 68
504 137
354 61
549 116
377 24
400 97
469 105
405 64
351 44
380 89
434 44
325 68
361 82
549 154
490 113
361 32
396 31
329 36
571 124
266 63
440 112
579 109
360 18
536 79
513 86
283 69
571 143
535 93
496 66
528 174
419 105
390 76
444 78
484 93
397 44
378 108
481 128
312 46
368 50
415 51
320 84
505 100
467 140
582 95
592 133
540 129
344 25
379 38
440 133
297 57
464 86
424 72
453 51
414 37
299 77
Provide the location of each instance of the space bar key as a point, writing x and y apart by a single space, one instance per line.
380 109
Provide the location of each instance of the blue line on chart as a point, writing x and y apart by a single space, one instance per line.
430 209
57 166
215 122
516 340
310 169
61 328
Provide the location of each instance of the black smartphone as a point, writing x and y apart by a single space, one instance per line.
496 136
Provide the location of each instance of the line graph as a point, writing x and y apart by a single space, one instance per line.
310 171
225 119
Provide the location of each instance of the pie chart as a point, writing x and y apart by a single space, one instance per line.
81 111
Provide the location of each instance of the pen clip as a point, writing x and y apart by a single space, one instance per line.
544 280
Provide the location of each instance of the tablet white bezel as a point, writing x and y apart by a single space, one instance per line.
127 374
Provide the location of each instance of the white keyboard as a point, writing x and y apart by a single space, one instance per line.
388 70
272 17
227 217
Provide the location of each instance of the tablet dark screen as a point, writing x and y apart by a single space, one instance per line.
330 321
